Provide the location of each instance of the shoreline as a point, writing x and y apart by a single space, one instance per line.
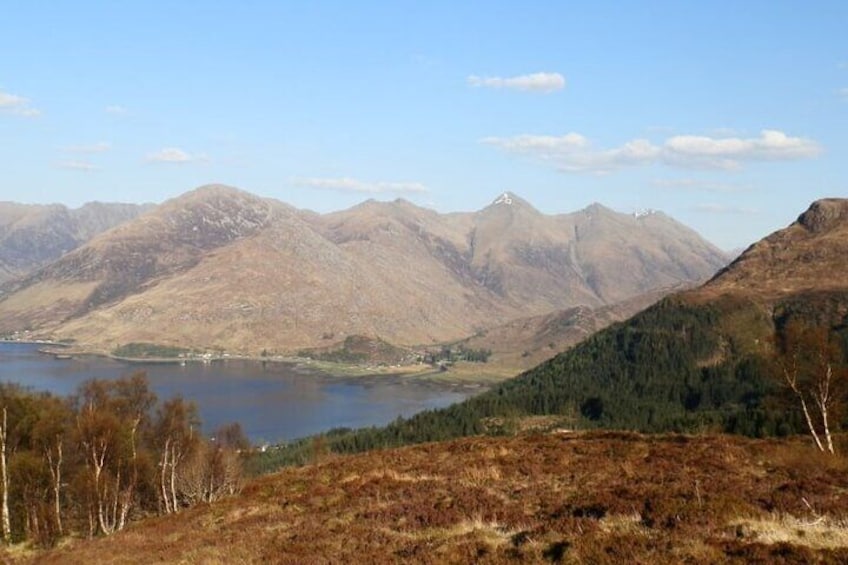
361 374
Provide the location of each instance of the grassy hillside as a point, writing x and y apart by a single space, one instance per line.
681 366
598 497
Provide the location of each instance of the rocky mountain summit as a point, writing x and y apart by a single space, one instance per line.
810 255
219 268
33 235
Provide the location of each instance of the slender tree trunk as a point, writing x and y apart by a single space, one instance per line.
92 522
98 462
827 431
163 474
173 477
791 376
4 478
810 423
56 478
824 402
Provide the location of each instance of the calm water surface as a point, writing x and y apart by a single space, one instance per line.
272 401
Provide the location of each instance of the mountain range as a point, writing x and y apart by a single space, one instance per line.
219 268
33 235
700 359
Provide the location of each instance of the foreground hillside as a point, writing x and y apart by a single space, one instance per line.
599 497
219 269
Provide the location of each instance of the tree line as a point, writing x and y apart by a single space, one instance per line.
110 453
675 367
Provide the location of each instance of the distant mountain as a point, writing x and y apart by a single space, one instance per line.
527 342
223 269
33 235
696 360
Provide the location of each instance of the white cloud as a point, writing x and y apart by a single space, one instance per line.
78 166
175 155
18 105
696 184
574 153
536 82
99 147
731 152
723 209
843 92
115 109
346 184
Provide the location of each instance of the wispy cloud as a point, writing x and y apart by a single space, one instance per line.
544 83
115 110
701 185
99 147
723 209
175 155
17 105
730 152
346 184
843 92
81 166
574 153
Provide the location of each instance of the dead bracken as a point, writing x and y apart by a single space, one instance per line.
594 497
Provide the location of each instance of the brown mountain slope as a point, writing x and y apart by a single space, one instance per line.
33 235
120 262
595 255
598 497
810 255
526 342
220 268
532 261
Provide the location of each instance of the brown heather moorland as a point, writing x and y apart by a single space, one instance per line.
579 497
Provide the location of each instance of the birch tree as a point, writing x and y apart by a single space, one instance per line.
4 480
177 431
49 436
811 364
109 415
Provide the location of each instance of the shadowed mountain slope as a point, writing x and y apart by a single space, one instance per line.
33 235
220 268
699 359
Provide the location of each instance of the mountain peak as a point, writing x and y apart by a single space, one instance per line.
214 191
506 199
808 255
510 201
825 215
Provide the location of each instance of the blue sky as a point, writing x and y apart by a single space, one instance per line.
729 116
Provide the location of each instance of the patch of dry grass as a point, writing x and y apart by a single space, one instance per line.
600 497
823 532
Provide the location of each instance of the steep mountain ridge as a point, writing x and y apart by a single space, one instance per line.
808 255
526 342
32 235
221 268
126 259
699 359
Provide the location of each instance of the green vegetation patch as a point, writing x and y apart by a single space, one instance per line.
139 350
676 367
358 349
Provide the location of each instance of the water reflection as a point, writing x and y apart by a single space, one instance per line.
272 401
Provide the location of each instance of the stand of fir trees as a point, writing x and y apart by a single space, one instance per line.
675 367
